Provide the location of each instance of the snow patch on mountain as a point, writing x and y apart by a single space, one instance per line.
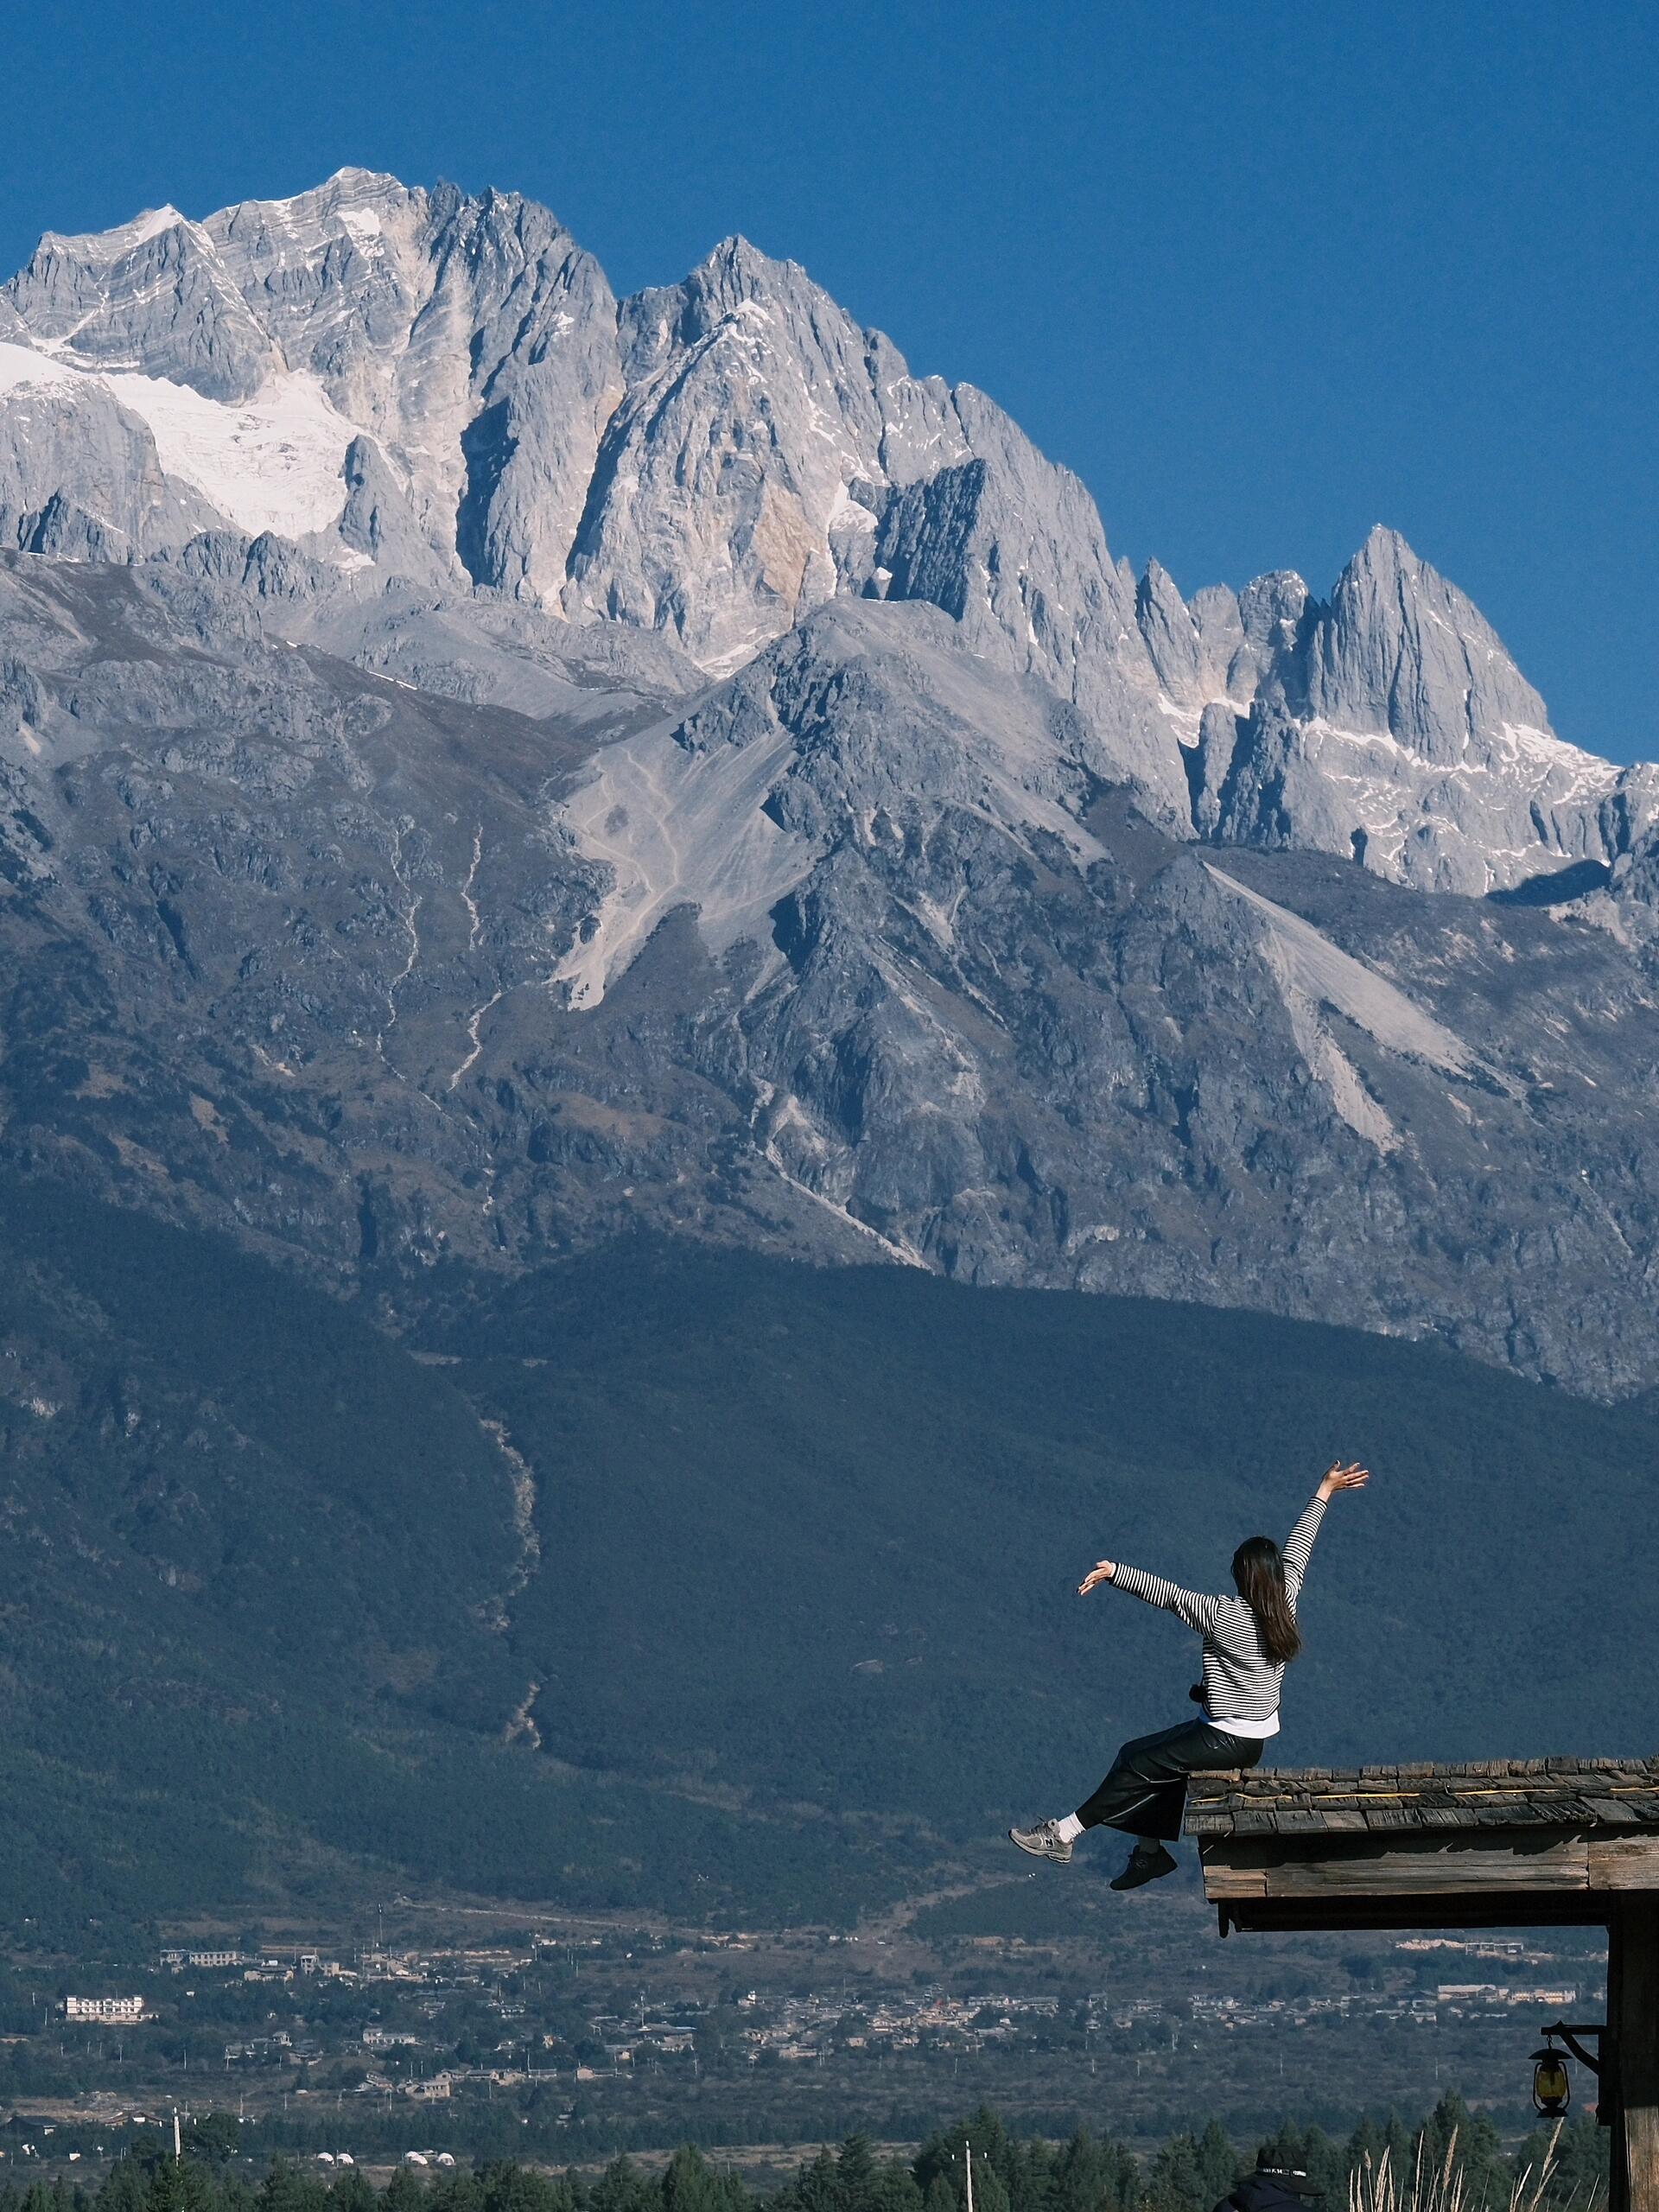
271 463
22 369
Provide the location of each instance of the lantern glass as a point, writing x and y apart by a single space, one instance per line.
1551 2092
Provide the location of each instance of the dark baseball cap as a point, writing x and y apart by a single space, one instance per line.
1294 2178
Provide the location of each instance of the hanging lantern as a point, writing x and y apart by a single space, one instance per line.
1551 2092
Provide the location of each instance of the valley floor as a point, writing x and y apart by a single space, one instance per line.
568 2039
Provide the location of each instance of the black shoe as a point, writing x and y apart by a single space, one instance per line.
1146 1864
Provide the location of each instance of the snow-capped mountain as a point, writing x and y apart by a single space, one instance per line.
483 765
1390 722
426 391
444 390
300 364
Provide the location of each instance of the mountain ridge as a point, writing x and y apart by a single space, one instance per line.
994 912
711 460
354 971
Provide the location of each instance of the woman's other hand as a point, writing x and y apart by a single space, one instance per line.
1102 1571
1352 1476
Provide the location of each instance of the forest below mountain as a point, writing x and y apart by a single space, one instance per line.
1192 2172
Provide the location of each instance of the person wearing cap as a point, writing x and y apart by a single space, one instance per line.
1272 2187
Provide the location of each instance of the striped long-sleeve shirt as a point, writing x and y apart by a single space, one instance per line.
1241 1683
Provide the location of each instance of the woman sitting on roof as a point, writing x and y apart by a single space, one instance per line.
1248 1641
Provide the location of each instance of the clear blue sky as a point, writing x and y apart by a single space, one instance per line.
1264 274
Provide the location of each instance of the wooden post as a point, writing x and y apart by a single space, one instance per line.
1633 2016
1608 2111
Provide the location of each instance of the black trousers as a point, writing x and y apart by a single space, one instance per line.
1146 1791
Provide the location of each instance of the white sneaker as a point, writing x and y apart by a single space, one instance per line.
1043 1841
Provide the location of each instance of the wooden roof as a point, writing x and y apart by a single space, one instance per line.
1314 1801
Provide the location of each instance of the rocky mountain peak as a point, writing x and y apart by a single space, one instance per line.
110 246
771 321
1401 649
152 294
1187 669
1270 608
303 214
1216 652
698 792
431 391
737 269
769 454
1391 724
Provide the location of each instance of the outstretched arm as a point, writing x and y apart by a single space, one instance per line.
1300 1542
1197 1612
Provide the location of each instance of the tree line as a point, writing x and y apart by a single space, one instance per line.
1191 2172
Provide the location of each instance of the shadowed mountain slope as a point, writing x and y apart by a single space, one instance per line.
687 1578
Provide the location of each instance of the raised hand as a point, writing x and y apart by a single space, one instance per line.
1102 1571
1336 1476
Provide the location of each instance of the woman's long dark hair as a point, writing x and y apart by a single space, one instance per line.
1259 1573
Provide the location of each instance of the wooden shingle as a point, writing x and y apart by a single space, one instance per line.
1568 1794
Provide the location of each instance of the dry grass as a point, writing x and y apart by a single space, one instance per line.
1375 2187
